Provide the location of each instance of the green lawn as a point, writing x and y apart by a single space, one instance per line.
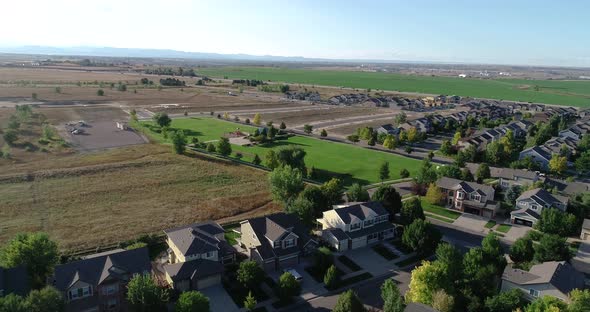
438 210
490 224
231 237
560 92
348 162
503 228
437 217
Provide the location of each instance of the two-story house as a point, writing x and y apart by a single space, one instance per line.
537 154
388 129
531 203
469 197
197 253
355 225
276 241
99 282
554 278
514 177
14 281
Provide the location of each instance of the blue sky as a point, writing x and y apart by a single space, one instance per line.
481 31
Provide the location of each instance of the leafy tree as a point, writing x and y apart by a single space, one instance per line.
353 138
14 303
315 195
390 142
357 193
546 304
494 153
411 211
580 300
35 251
493 252
446 148
421 236
512 193
10 136
456 138
400 119
162 120
331 277
250 273
332 191
13 122
424 282
389 198
466 175
442 302
506 301
179 142
348 301
291 156
483 172
250 302
307 128
371 141
479 274
192 301
210 148
553 221
413 135
223 147
323 258
522 250
434 195
558 164
324 133
404 173
583 162
551 247
47 299
256 119
145 296
426 174
451 261
304 210
271 159
256 160
384 171
392 298
285 184
288 286
283 126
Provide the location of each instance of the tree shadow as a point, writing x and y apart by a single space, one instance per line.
322 175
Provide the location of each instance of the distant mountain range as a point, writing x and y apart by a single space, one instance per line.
173 54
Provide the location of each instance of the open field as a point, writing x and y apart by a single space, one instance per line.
105 197
351 163
559 92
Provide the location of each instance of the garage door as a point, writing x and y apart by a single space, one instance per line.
209 281
289 263
358 242
487 213
523 222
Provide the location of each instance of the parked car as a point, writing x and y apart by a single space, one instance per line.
295 274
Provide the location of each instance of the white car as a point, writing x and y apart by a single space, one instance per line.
295 274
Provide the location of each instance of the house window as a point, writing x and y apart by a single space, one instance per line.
110 289
477 197
355 226
534 292
450 193
289 243
534 207
81 292
209 254
460 195
369 222
372 236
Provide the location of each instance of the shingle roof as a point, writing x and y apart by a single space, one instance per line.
560 274
541 196
14 281
195 268
94 270
528 211
196 238
469 187
356 212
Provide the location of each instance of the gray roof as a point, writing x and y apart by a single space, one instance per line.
355 212
14 281
540 151
198 268
568 188
560 274
469 187
337 233
543 197
95 270
197 238
276 226
527 211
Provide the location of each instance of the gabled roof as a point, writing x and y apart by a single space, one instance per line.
560 274
193 269
14 281
538 150
526 211
94 270
469 187
356 212
543 197
196 238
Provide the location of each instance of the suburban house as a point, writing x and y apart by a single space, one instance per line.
553 278
197 254
14 281
514 177
388 129
356 225
567 188
98 282
469 197
531 203
585 234
276 241
576 131
538 155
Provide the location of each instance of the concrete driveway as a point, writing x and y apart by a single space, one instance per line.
471 222
309 287
371 261
219 299
517 231
582 259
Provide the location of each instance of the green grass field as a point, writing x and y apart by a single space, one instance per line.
350 163
503 228
559 92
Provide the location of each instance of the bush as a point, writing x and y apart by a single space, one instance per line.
404 173
100 92
331 277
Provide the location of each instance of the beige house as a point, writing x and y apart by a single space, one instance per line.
197 254
276 241
553 278
469 197
356 225
585 235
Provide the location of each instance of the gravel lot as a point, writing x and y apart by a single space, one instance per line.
104 134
